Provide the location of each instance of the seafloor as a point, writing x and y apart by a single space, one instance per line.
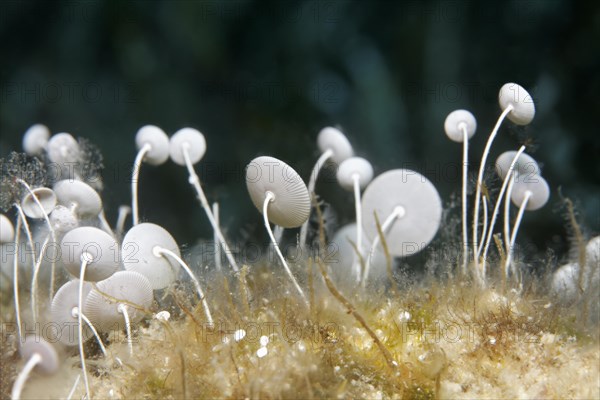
438 338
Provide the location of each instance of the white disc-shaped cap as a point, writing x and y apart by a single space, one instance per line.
124 287
50 361
523 106
61 312
45 196
291 205
354 166
158 141
564 282
63 147
191 139
7 230
80 196
537 186
592 253
63 219
454 123
139 255
421 209
341 249
35 139
525 166
333 139
342 254
101 249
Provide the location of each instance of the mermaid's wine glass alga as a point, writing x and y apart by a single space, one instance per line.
479 324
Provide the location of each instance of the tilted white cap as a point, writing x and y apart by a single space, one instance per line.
333 139
515 95
291 205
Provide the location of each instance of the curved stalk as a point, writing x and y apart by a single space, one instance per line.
486 152
23 219
358 212
397 213
50 229
85 259
162 252
122 217
92 328
465 171
16 278
515 229
72 391
507 214
195 182
34 280
505 183
312 182
217 247
134 181
270 196
35 359
122 308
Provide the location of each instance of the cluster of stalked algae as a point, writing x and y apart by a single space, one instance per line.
486 330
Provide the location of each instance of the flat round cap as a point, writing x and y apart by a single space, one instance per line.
422 206
138 254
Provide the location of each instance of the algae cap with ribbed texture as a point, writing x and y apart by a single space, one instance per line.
61 312
124 287
291 205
